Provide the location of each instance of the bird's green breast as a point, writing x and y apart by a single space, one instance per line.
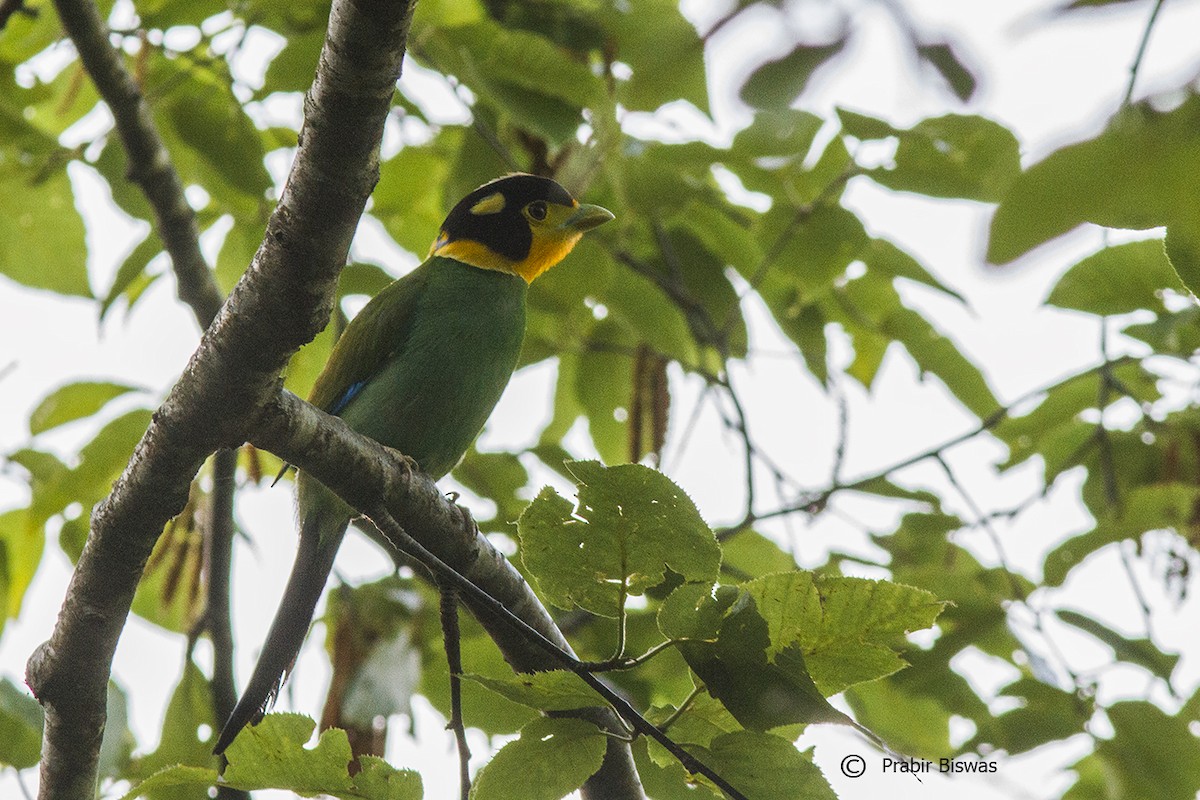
447 365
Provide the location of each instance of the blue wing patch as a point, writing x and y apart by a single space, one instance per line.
346 397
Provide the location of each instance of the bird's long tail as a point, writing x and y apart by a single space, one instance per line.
321 534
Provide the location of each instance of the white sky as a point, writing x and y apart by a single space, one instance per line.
1051 82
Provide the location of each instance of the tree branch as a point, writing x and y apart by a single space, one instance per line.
150 165
362 472
283 301
218 538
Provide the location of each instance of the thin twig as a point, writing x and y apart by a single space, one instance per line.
219 552
818 498
1136 66
451 638
621 663
683 707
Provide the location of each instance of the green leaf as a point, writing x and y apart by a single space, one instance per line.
914 724
379 780
131 278
1053 426
1142 652
752 553
1098 181
603 385
73 401
786 132
190 708
501 478
482 708
1043 714
293 67
20 727
175 781
41 234
871 305
1145 508
117 743
26 35
22 541
936 354
760 688
1117 280
941 56
663 50
779 82
667 780
558 690
950 156
1173 333
410 198
206 117
632 524
477 54
552 758
765 767
848 628
272 754
1167 770
695 611
885 257
364 279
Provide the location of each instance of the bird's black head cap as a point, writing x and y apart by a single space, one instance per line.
494 214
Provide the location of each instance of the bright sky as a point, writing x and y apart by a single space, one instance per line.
1050 81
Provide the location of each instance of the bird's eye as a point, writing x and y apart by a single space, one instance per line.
537 210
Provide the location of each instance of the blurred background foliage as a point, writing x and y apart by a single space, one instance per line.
590 92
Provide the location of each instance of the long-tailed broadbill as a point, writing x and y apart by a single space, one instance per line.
419 369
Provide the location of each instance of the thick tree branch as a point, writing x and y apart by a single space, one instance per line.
362 472
283 301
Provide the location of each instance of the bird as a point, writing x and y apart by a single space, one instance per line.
419 370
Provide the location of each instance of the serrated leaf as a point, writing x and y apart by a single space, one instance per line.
272 754
632 524
765 767
848 628
175 781
761 686
552 758
695 611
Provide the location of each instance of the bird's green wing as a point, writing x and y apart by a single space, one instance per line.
372 338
